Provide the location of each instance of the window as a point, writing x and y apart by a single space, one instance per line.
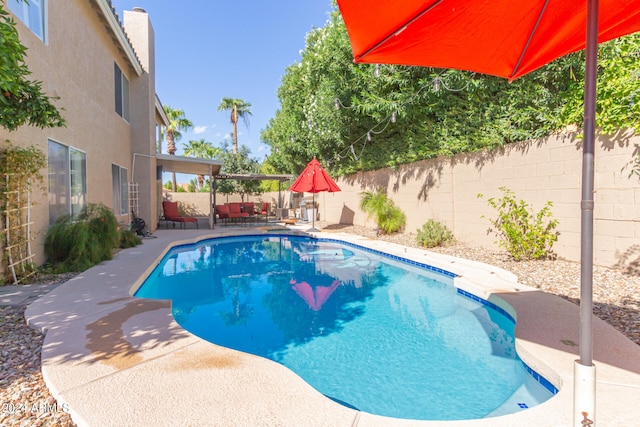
121 85
120 188
67 181
31 13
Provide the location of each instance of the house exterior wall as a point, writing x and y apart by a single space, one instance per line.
143 115
76 64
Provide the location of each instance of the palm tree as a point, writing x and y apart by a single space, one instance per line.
239 109
177 122
203 150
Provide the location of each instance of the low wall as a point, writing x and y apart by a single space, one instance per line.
537 171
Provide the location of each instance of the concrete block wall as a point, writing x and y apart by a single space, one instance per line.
538 171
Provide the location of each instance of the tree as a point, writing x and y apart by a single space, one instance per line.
355 117
203 150
177 122
239 109
239 163
21 100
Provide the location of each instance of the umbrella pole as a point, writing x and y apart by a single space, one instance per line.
584 370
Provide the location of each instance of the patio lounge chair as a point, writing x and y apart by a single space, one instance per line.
170 210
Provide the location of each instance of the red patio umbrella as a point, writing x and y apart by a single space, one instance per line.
314 179
506 38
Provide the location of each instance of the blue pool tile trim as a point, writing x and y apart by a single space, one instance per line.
536 376
394 257
540 379
486 303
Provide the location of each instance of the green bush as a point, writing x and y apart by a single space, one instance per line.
524 234
76 244
129 239
388 217
433 233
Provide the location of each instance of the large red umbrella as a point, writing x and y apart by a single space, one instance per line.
506 38
314 179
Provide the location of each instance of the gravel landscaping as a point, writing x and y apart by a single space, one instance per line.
26 401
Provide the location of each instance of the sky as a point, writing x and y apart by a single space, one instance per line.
207 50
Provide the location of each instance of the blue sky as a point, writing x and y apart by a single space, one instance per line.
208 49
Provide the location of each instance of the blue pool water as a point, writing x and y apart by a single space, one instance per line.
371 332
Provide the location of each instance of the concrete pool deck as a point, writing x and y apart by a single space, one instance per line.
116 360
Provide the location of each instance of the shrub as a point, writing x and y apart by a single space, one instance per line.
76 244
129 239
524 234
433 233
388 217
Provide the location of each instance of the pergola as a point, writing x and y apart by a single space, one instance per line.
211 168
250 177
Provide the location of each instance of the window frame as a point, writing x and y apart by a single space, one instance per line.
121 92
67 180
24 11
120 189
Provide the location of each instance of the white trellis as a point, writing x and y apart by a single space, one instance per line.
17 230
134 199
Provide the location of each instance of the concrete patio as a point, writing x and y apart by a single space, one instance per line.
119 360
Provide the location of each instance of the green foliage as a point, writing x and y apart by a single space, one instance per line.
523 233
242 164
388 217
76 244
129 239
21 100
434 233
463 112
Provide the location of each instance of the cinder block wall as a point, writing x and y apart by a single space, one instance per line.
537 171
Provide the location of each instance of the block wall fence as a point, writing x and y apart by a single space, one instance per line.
550 169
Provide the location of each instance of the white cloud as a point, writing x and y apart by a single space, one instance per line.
199 129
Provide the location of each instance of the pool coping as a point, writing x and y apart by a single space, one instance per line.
113 359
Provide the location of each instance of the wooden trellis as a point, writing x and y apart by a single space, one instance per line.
17 229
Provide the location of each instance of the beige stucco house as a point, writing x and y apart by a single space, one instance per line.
102 71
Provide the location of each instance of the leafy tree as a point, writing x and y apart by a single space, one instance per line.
201 149
177 122
21 100
242 164
239 109
361 116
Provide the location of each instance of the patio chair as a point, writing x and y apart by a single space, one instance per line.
264 210
170 210
235 211
223 212
248 207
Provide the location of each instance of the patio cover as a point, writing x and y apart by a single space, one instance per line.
250 177
192 166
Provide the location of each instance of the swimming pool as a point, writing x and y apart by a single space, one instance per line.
371 332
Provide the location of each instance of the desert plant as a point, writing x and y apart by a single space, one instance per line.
523 233
129 239
388 217
433 233
76 244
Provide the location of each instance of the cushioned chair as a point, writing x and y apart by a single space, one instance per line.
248 207
264 211
170 210
223 212
235 211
